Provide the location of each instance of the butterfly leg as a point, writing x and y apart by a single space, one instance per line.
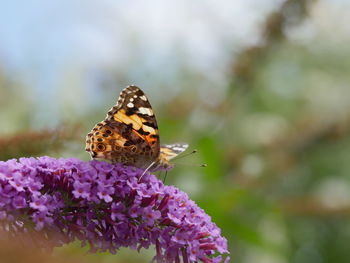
146 170
166 173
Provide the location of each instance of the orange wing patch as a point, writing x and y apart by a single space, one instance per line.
134 120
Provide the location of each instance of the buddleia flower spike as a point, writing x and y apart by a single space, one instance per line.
106 206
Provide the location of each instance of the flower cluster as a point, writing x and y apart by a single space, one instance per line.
106 206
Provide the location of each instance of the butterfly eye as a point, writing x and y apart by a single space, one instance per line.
101 147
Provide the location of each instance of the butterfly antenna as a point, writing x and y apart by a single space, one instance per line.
184 155
194 165
146 170
187 154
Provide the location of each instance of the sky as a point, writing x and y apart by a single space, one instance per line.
64 51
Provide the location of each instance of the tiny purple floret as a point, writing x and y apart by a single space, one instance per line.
106 206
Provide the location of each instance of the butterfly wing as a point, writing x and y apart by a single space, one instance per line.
169 151
129 134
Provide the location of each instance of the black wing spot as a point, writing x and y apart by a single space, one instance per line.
126 130
139 92
141 131
150 124
131 111
144 116
101 147
128 143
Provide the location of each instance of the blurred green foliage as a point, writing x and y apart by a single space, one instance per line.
277 147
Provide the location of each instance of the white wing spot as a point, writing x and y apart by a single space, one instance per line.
146 111
135 96
180 149
131 99
143 97
130 105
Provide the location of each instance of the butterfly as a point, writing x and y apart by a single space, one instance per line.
130 135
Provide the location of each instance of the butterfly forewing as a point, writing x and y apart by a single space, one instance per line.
129 134
134 109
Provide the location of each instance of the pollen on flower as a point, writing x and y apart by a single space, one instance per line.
105 205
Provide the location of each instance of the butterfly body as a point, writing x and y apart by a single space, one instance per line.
130 135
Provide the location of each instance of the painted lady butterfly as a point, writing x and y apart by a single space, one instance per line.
129 135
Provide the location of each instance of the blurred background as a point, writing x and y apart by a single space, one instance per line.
259 87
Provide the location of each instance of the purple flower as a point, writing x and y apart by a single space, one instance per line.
39 202
151 215
41 219
105 192
81 190
19 202
117 211
104 205
17 181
